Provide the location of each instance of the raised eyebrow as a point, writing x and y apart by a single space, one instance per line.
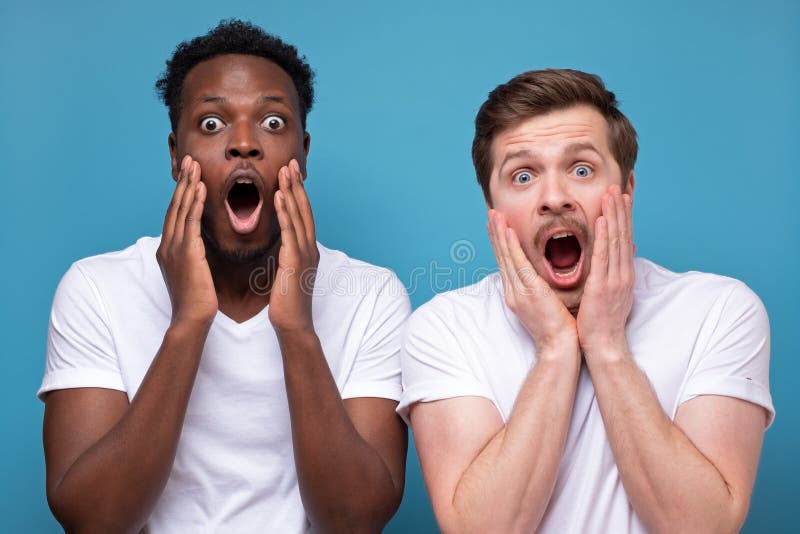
222 100
574 148
269 99
517 154
214 99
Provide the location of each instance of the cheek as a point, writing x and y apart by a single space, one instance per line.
520 221
593 209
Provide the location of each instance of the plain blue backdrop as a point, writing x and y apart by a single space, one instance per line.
710 86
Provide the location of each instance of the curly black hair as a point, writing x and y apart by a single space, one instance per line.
234 36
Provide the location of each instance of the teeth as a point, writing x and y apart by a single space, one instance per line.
570 273
561 234
244 181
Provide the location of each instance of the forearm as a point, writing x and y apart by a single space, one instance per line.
507 487
114 484
666 478
345 484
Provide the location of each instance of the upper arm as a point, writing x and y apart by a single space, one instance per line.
377 423
449 435
74 420
729 433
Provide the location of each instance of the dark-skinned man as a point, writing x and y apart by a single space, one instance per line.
232 375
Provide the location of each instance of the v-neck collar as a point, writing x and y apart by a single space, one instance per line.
253 323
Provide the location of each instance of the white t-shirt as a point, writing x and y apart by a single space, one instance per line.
692 334
234 468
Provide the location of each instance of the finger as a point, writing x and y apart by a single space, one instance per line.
627 248
288 240
490 227
501 231
290 206
174 203
522 266
498 254
599 267
303 205
610 209
193 170
195 215
623 233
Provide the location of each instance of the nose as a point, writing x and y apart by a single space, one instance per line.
555 197
243 143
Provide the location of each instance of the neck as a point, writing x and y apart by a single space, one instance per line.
242 287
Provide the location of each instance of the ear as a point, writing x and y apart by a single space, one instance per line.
631 185
302 161
173 156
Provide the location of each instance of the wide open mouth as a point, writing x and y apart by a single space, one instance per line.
243 204
563 252
243 198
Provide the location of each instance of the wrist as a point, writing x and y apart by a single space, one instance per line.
563 348
608 352
301 335
190 326
187 332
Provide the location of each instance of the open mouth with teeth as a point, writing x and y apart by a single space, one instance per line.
243 204
564 257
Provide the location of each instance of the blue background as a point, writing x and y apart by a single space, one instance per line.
710 86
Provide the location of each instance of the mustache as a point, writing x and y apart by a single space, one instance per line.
575 225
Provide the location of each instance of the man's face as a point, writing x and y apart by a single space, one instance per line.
240 120
549 174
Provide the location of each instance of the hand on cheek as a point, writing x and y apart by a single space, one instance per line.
608 293
181 254
290 299
530 298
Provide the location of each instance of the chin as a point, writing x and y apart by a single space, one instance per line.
571 298
242 254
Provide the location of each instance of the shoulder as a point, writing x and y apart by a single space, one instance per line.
653 280
111 277
477 306
133 259
341 274
696 299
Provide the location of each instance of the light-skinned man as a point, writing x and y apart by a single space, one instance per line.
581 389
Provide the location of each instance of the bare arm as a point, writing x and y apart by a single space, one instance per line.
698 471
107 461
350 455
484 476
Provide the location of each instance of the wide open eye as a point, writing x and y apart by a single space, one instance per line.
522 177
211 124
583 171
273 122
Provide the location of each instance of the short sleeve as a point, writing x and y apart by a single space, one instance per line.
376 369
80 348
434 360
735 362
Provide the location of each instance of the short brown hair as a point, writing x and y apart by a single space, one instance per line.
538 92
